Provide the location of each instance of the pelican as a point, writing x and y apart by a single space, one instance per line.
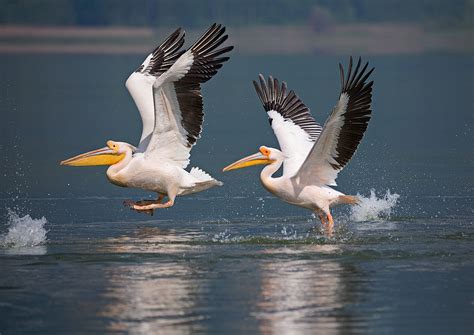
311 155
166 89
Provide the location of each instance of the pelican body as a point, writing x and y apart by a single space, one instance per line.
311 155
166 89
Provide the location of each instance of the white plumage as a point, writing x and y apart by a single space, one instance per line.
166 89
294 142
312 155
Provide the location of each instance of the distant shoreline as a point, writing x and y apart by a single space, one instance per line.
367 39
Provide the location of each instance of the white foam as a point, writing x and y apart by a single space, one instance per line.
373 208
23 232
226 237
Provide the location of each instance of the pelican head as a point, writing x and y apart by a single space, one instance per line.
113 153
265 155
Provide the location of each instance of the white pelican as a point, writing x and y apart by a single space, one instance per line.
166 89
312 155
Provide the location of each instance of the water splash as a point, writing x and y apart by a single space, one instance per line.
23 231
260 208
226 237
289 232
283 234
373 208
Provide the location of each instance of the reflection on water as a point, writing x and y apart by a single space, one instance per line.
305 296
153 297
175 280
152 240
299 295
36 250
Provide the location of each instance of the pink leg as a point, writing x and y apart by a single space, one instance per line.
322 218
330 225
152 206
139 206
330 220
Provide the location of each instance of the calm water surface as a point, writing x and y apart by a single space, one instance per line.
234 259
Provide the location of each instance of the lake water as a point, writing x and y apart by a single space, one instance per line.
234 259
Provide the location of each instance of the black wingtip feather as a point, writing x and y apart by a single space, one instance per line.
206 63
274 96
358 110
165 54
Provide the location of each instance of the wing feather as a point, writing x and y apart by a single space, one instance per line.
296 130
342 131
178 99
140 82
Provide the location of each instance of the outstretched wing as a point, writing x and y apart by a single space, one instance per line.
342 131
291 121
177 97
140 82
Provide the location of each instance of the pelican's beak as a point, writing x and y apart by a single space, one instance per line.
104 156
255 159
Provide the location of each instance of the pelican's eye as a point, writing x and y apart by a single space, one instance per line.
112 146
265 151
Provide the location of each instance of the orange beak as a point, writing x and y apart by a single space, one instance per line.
103 156
255 159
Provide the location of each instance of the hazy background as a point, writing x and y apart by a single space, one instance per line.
154 13
258 27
